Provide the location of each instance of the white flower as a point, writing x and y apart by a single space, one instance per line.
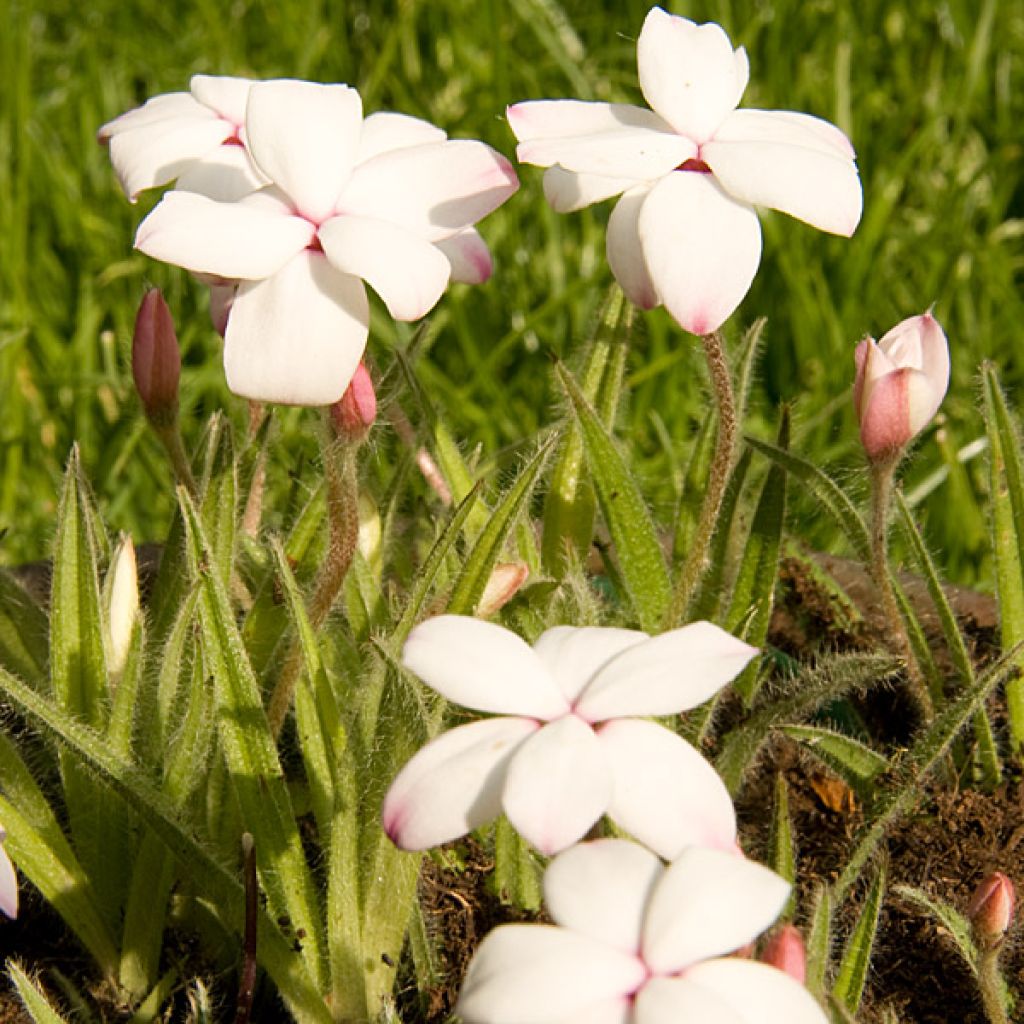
690 171
635 942
348 201
122 601
8 881
568 747
196 137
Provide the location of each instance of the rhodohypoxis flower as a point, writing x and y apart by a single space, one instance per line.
196 137
348 201
635 942
690 171
8 881
900 383
570 745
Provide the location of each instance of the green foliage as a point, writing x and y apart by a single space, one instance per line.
856 959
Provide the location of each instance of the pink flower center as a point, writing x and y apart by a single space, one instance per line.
694 164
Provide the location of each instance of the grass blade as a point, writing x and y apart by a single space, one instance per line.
853 968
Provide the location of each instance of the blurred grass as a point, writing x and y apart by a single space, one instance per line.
931 93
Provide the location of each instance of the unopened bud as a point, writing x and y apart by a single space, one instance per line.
505 580
785 950
156 360
353 414
122 605
8 882
991 908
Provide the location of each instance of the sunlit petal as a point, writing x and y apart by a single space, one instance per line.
453 784
637 153
554 119
679 1001
468 255
386 130
757 993
784 126
575 654
296 337
169 106
625 251
224 94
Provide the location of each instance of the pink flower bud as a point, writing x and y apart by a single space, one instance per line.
353 414
156 359
900 383
991 907
503 584
785 950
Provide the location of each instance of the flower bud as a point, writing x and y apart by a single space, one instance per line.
785 950
900 383
991 908
122 605
156 360
503 584
353 414
8 882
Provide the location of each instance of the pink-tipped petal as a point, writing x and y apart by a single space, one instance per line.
224 94
665 793
469 257
535 974
708 902
555 119
601 889
702 249
625 250
638 153
8 885
408 273
920 343
689 73
576 654
484 666
232 240
296 337
558 785
757 993
453 784
434 190
303 136
386 130
812 184
156 153
567 191
679 1001
899 406
785 126
224 174
666 674
169 106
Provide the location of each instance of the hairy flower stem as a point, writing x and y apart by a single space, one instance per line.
170 438
343 524
718 477
991 983
883 472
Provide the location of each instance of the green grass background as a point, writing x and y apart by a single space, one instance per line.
931 94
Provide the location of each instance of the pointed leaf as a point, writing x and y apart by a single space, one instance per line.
23 631
819 943
854 761
781 845
853 968
32 996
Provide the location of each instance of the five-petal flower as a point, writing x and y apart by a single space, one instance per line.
635 942
570 744
690 171
348 201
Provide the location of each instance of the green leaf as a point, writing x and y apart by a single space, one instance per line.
853 968
829 494
33 998
458 476
819 943
695 483
23 632
479 565
855 762
251 755
637 546
951 921
781 845
516 877
218 506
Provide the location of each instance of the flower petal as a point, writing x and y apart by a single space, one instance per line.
624 874
224 94
639 153
482 665
453 784
8 884
408 273
234 240
386 130
558 785
435 190
757 993
563 119
920 342
708 902
567 191
689 73
701 247
666 674
303 136
897 407
615 1010
625 251
156 153
534 974
575 655
298 336
665 793
814 185
168 106
785 126
224 174
678 1000
468 255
